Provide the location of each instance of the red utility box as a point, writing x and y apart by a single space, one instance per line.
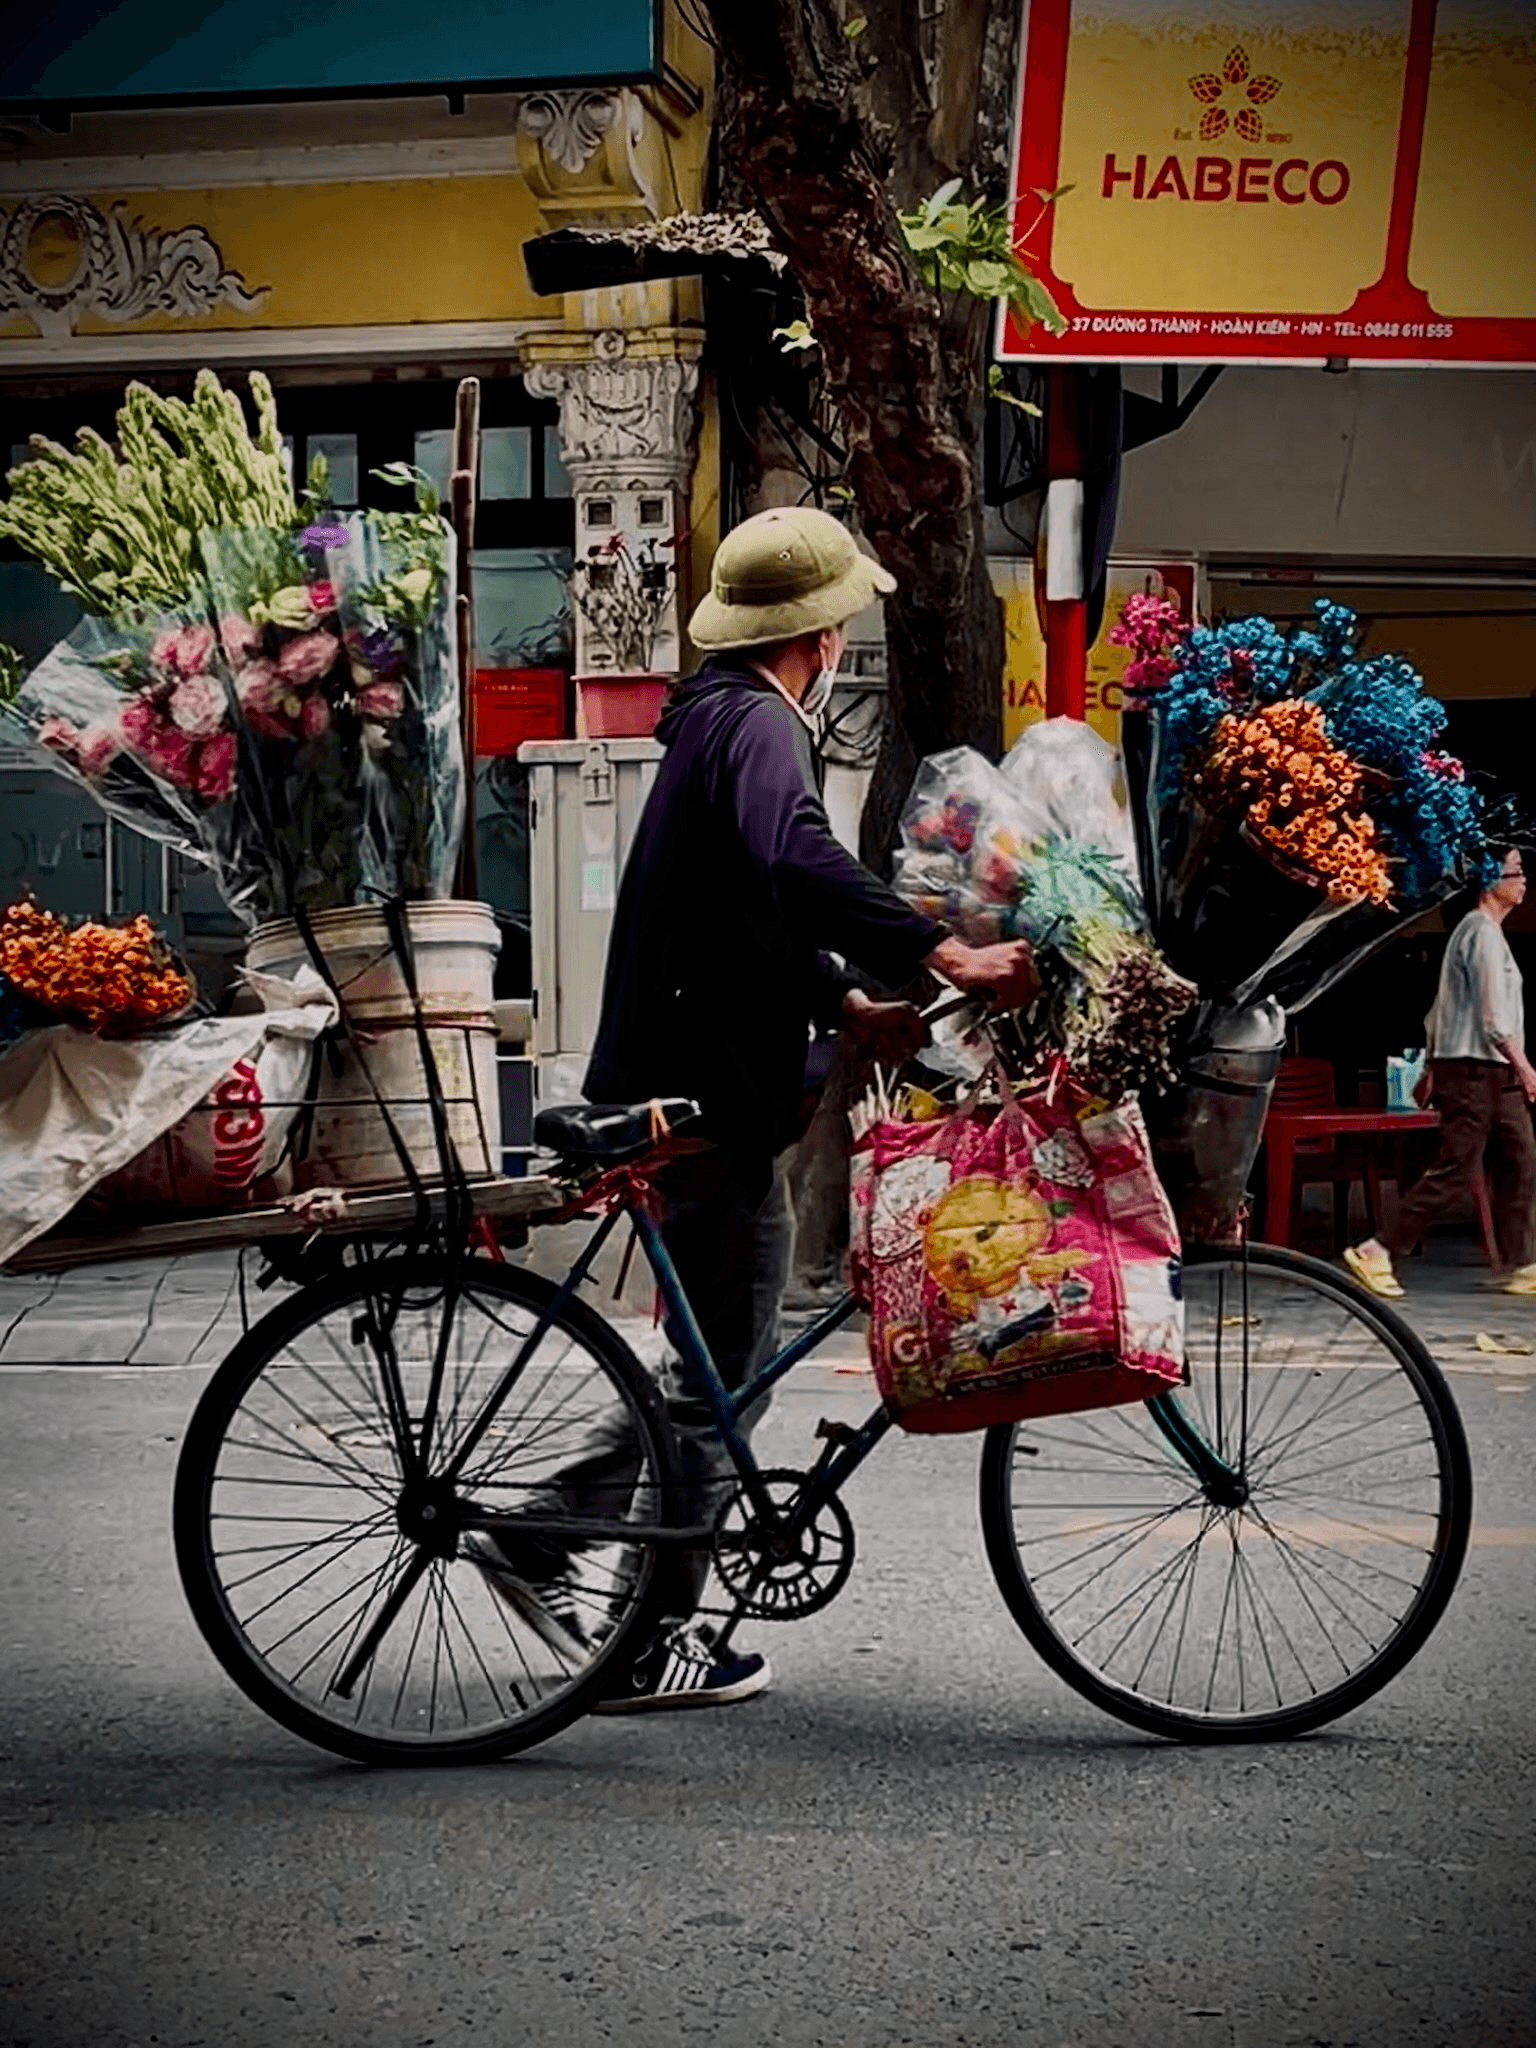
510 705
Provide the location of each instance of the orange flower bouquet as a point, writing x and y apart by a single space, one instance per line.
105 978
1300 796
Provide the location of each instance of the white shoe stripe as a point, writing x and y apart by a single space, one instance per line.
682 1674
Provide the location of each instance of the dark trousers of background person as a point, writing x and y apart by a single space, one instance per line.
1484 1120
730 1232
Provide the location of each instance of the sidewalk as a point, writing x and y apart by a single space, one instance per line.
1450 1297
173 1314
176 1314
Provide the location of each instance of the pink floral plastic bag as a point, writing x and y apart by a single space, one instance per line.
1016 1261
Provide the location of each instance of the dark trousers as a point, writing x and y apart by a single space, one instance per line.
730 1232
1483 1119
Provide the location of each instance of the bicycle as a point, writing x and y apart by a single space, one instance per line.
1244 1557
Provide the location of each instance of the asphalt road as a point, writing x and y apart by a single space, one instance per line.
919 1836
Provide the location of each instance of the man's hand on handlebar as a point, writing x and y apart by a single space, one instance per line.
890 1032
1005 972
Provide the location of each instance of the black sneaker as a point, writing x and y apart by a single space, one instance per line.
681 1669
540 1606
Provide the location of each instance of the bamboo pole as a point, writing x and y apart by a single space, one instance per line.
461 502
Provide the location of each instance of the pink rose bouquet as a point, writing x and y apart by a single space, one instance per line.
301 738
143 719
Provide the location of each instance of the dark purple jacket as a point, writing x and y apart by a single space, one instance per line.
734 892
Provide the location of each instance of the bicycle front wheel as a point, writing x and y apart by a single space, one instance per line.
349 1464
1282 1585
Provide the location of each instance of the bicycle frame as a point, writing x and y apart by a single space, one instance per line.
846 1451
849 1452
728 1408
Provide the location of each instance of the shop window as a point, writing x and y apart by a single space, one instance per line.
340 452
522 612
506 455
504 460
434 456
557 481
34 612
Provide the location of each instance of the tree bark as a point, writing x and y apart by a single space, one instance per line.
829 136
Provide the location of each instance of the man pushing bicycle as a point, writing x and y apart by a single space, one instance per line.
736 910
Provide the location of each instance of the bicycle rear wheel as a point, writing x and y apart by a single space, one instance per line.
1264 1604
328 1505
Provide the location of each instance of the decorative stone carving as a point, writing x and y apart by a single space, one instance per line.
62 258
569 126
590 157
626 422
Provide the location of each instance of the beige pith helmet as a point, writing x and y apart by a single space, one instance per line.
792 570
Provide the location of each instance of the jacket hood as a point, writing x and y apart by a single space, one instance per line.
717 679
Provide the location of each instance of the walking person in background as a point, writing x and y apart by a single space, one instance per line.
1478 1077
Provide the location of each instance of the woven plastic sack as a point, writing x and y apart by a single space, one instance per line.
1015 1261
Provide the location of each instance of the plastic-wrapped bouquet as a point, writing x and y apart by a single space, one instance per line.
272 693
1040 849
1293 807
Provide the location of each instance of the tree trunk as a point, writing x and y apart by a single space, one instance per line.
828 135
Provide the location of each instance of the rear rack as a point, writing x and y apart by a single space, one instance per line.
361 1214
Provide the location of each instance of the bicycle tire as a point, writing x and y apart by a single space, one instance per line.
1293 1605
293 1526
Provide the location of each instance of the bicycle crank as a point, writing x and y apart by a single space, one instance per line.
780 1570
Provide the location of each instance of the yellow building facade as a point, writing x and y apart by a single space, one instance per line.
366 254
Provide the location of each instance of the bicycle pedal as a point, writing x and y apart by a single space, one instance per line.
838 1433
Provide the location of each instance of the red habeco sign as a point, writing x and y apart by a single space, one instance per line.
1348 178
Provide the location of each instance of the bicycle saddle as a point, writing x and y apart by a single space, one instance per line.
601 1130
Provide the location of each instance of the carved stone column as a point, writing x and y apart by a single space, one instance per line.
628 425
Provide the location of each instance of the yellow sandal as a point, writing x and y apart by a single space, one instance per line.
1375 1275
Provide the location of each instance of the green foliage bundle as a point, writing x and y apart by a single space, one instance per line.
962 248
118 528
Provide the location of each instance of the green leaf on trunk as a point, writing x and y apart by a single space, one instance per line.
989 279
996 388
1039 304
796 335
940 199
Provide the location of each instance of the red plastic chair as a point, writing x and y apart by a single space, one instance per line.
1309 1084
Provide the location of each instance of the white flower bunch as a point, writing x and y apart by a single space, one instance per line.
118 527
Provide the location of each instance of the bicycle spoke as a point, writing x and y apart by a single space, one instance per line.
1269 1596
300 1528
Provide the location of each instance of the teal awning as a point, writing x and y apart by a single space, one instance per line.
77 52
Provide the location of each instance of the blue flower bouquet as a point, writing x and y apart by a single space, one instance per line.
1294 808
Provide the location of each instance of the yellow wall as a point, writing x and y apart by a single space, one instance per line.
352 255
437 249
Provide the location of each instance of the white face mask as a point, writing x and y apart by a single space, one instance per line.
819 689
818 692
